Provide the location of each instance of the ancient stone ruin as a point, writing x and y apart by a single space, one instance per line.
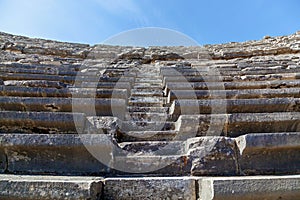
115 122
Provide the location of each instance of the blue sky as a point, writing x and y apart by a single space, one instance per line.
93 21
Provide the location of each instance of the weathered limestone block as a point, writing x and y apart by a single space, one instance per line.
234 106
41 122
134 136
50 187
36 83
243 123
213 156
150 188
103 107
63 92
232 85
233 94
273 153
102 125
157 164
248 188
67 154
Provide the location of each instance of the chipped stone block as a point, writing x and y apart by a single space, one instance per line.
269 153
213 156
50 187
249 188
57 154
150 188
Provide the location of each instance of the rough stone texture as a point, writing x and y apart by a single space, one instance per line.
150 188
54 154
260 187
49 187
191 100
269 153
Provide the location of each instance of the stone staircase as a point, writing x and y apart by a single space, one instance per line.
105 122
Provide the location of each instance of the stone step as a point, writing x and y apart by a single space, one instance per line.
147 109
146 101
219 106
49 71
148 86
147 126
148 80
236 124
50 187
64 79
225 72
233 94
59 85
67 72
160 187
61 154
106 85
73 154
269 153
37 83
249 187
134 136
220 78
232 85
154 147
41 122
146 92
63 92
103 107
146 116
189 188
36 66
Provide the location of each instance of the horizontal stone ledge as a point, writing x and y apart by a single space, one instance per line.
147 126
67 72
103 107
233 94
249 187
35 66
133 136
60 85
64 154
223 106
220 78
206 188
243 123
63 92
41 122
65 79
232 85
150 188
224 71
236 124
46 71
50 187
269 153
37 83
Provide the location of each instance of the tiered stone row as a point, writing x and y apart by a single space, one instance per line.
237 115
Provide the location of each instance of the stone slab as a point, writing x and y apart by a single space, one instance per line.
50 187
249 188
103 107
150 188
64 154
233 94
41 122
269 153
